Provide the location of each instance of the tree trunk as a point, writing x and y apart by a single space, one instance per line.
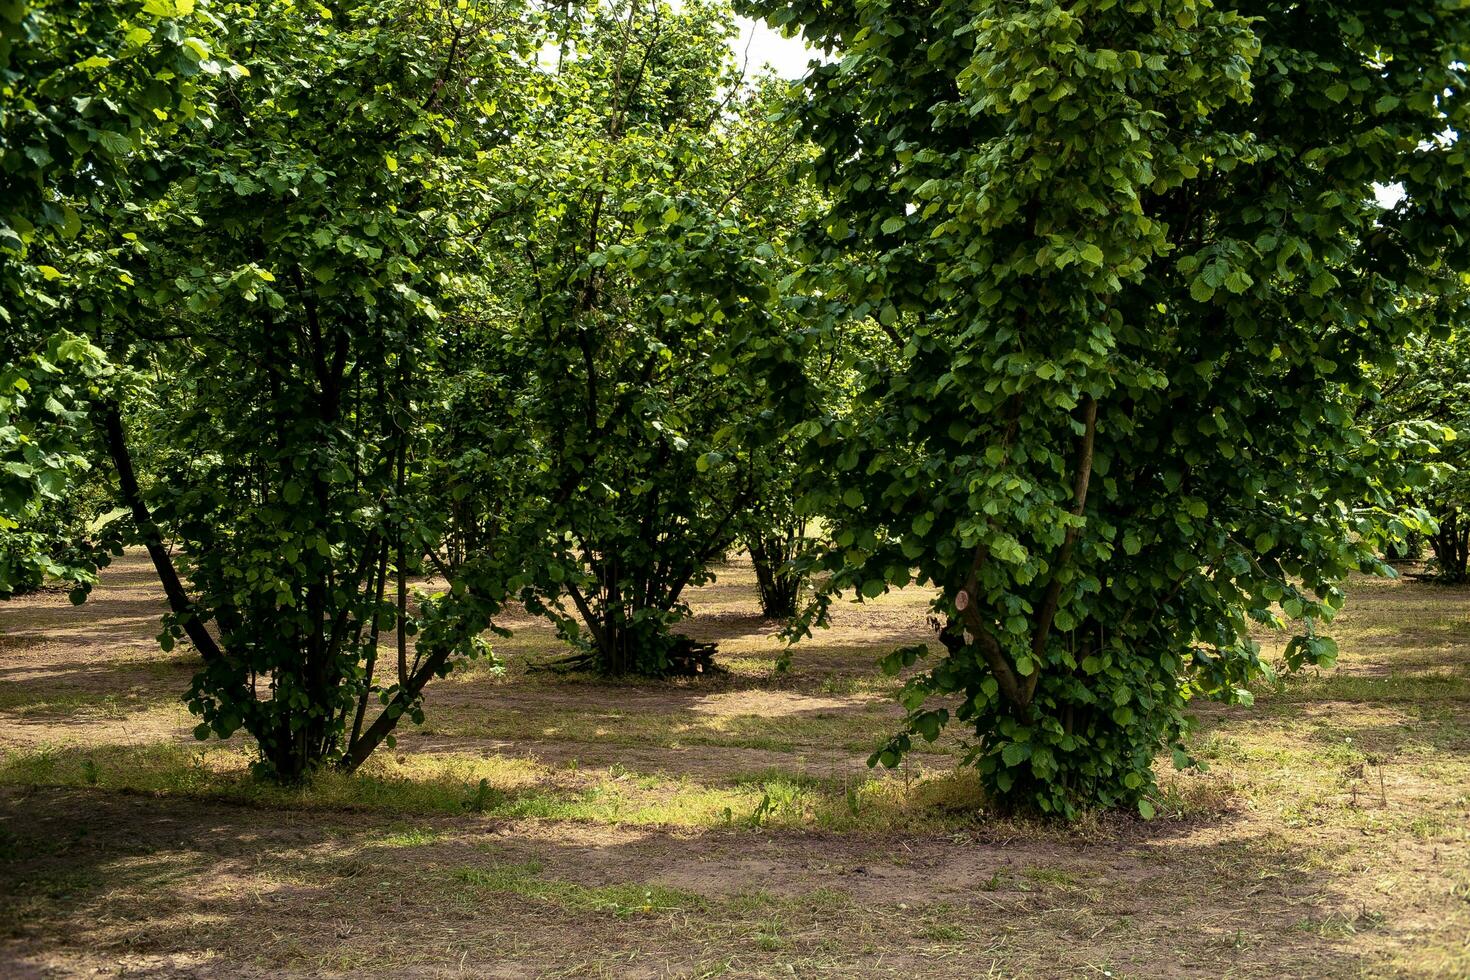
1452 547
777 586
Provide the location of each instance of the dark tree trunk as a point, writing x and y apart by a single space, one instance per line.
1410 548
777 584
630 611
1452 547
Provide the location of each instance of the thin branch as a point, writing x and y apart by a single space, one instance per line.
184 608
1053 596
1005 675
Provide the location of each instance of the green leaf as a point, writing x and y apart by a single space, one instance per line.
1015 753
71 223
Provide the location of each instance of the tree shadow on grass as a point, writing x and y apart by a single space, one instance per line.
128 605
104 675
89 701
170 885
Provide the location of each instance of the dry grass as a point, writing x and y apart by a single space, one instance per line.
541 825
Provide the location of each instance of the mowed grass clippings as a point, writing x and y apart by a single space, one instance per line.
549 825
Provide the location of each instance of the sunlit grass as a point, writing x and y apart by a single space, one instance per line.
509 788
1364 688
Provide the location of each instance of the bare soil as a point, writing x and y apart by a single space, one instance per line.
1331 836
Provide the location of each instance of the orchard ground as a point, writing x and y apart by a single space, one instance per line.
565 826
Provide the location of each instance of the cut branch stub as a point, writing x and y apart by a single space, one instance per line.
962 600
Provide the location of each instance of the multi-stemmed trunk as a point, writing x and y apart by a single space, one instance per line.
300 685
1452 547
628 617
631 609
778 585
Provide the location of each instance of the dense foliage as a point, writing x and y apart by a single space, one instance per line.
645 264
1428 395
381 314
293 301
523 344
1134 273
86 86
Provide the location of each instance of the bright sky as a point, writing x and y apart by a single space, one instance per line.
787 55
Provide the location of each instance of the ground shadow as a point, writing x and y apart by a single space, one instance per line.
170 885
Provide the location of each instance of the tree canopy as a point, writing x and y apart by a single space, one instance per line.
368 318
643 269
1135 276
86 90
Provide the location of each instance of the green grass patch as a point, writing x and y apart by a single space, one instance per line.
671 729
1416 688
622 900
510 788
410 837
